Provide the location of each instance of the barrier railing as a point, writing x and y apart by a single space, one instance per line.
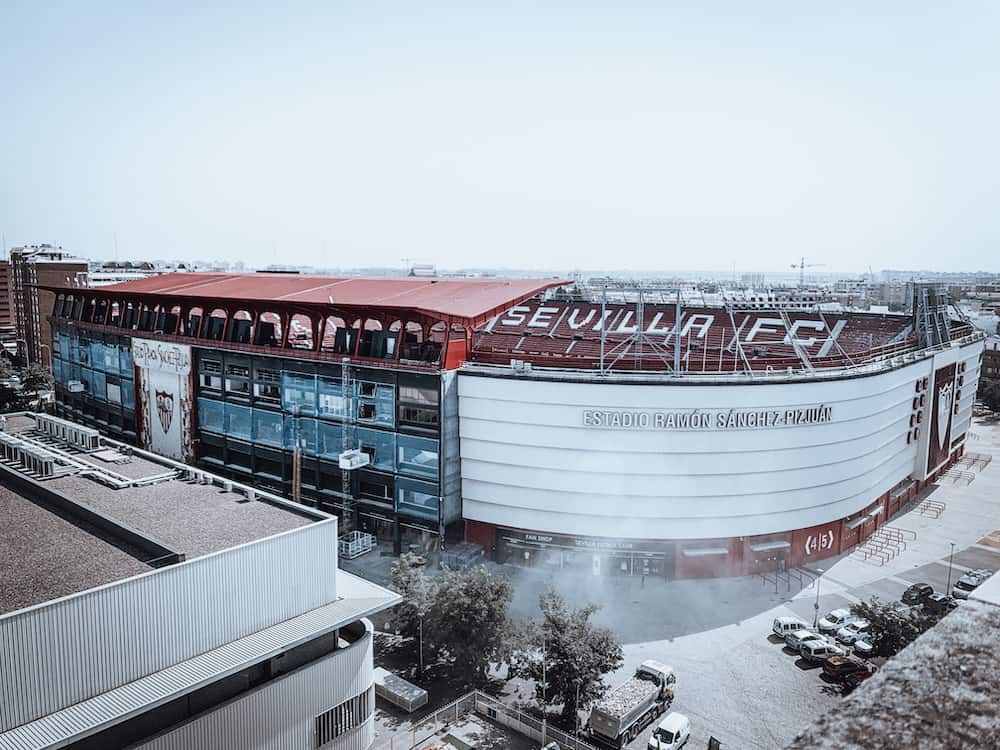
431 725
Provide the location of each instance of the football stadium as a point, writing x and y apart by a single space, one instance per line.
630 432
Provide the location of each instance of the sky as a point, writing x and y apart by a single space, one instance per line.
556 135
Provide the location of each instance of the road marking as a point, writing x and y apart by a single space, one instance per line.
897 579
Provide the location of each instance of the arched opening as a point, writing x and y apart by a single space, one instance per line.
215 326
269 329
372 339
334 335
240 329
300 332
392 339
194 317
413 340
115 319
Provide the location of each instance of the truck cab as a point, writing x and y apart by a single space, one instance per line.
662 674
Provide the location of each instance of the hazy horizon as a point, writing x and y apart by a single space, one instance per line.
720 136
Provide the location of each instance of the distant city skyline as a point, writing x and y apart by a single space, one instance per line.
707 136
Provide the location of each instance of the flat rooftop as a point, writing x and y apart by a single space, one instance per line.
43 556
46 552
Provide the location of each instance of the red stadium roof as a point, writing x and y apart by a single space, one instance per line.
472 300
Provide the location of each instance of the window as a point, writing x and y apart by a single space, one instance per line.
268 428
211 416
239 422
114 392
331 398
418 416
298 390
330 440
128 394
417 499
211 375
379 445
417 456
267 386
302 429
417 395
341 719
238 380
125 360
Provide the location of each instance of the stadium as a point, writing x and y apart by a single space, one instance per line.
631 432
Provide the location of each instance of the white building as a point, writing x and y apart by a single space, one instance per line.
204 615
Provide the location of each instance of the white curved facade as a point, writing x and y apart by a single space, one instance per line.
535 456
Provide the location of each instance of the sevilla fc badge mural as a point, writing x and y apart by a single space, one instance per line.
939 444
165 409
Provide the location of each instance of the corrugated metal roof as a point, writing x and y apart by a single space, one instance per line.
90 716
457 298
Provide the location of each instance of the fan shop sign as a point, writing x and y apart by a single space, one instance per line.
729 419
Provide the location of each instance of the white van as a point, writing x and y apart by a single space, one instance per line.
671 734
782 626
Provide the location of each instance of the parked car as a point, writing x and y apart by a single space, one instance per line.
835 620
852 631
782 626
817 651
863 647
917 593
939 604
854 679
795 640
672 733
969 582
841 666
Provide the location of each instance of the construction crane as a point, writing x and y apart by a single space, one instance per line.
802 266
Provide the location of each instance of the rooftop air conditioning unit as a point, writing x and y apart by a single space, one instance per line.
353 459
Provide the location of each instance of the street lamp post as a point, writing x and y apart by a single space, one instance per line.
545 684
816 603
950 556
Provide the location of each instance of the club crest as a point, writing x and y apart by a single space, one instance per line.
165 409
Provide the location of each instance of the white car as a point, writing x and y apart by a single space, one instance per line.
671 734
852 631
782 626
795 640
816 651
969 583
836 620
863 647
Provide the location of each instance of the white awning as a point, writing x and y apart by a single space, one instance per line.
856 522
765 546
704 551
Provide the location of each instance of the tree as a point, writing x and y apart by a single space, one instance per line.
566 655
36 378
892 627
408 579
469 620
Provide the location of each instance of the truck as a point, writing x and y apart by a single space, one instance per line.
618 718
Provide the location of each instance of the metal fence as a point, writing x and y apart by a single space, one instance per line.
484 705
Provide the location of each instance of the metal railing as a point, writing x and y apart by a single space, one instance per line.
479 703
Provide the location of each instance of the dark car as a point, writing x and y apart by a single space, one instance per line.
939 604
839 667
917 593
854 679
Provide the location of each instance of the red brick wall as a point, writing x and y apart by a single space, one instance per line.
480 533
